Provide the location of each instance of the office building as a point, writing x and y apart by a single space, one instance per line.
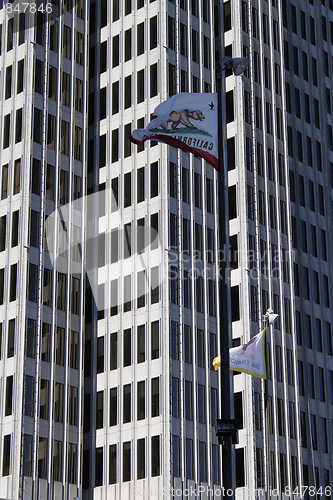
150 391
43 60
280 208
129 401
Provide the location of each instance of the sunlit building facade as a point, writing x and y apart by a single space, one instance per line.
109 307
43 60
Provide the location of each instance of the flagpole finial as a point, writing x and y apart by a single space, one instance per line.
237 64
270 317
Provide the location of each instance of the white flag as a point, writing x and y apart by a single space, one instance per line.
185 121
250 358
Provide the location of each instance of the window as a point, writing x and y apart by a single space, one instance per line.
175 456
100 354
321 385
44 399
325 294
141 400
175 397
6 131
155 397
262 215
141 458
311 386
60 346
6 455
27 455
65 90
51 131
171 33
140 184
58 402
280 417
127 190
140 39
77 143
21 29
66 42
103 56
313 427
154 180
113 463
8 81
153 32
173 278
197 190
3 224
202 462
199 294
258 113
324 442
278 363
79 48
188 400
113 351
10 32
173 232
201 404
113 406
155 340
13 282
141 344
9 396
128 44
72 405
189 458
32 290
99 467
99 409
328 338
140 236
115 51
154 284
4 182
195 46
71 463
126 403
174 340
200 348
321 199
155 456
229 100
232 202
61 292
127 347
53 35
292 420
64 138
127 241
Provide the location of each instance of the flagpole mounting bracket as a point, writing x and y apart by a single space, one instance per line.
226 428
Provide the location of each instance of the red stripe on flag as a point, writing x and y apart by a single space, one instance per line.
172 141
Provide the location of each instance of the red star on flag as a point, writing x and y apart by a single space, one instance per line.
211 105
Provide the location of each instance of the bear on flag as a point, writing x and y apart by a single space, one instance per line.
185 121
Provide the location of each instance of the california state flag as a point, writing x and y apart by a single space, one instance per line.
185 121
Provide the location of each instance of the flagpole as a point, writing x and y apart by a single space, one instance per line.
225 404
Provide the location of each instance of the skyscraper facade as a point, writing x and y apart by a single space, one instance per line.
43 129
151 389
279 144
109 307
